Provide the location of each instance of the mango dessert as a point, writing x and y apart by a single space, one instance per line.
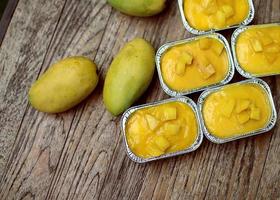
161 129
194 65
236 110
205 15
258 50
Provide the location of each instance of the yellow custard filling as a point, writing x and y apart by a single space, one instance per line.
258 50
161 129
217 14
236 110
195 64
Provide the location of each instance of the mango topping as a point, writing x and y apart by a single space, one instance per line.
205 43
228 11
169 113
255 113
218 48
228 107
152 121
242 105
243 117
161 129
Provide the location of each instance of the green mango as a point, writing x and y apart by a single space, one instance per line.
129 75
140 8
64 85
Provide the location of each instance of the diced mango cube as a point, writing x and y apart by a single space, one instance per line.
242 105
202 62
205 43
186 58
221 18
162 143
228 10
218 48
243 117
209 6
271 57
169 113
171 129
153 150
152 121
228 107
274 48
180 68
264 38
255 113
256 45
208 71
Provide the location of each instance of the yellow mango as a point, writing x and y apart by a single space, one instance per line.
162 143
274 48
169 113
264 38
208 71
256 45
140 8
255 113
271 57
242 105
218 48
209 6
129 75
205 43
154 151
221 18
64 85
152 121
171 129
228 107
228 10
243 117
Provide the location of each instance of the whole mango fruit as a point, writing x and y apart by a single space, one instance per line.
129 75
64 85
140 8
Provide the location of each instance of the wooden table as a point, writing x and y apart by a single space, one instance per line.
80 154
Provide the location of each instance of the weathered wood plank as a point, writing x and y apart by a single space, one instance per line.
80 154
21 55
41 137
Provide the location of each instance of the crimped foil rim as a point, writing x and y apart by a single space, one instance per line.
165 47
271 123
234 38
131 110
194 31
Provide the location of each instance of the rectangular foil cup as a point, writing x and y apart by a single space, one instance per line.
268 127
234 38
130 111
165 47
194 31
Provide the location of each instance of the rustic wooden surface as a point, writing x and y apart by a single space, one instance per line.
80 154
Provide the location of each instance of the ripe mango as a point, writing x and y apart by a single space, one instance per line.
64 85
140 8
129 75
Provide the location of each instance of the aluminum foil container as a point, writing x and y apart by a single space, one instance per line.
167 46
130 111
192 30
271 123
234 38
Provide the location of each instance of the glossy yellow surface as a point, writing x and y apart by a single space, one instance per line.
258 50
218 14
236 110
195 64
161 129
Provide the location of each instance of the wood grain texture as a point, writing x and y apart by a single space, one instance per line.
80 154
